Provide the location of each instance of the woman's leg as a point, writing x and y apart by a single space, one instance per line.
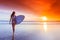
13 27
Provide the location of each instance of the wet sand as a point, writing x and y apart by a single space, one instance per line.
32 31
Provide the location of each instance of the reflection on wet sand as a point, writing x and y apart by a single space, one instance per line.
45 26
13 36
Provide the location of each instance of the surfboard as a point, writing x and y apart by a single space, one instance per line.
19 19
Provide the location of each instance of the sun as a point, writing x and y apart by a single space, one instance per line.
44 18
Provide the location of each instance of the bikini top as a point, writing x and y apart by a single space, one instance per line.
13 17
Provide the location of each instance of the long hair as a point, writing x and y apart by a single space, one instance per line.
12 14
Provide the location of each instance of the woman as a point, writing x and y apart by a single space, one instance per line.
13 20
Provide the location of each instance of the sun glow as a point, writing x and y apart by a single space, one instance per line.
44 18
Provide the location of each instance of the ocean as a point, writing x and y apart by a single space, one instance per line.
30 31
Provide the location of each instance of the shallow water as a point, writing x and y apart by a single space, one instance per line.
31 31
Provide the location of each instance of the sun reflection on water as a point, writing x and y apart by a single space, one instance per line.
45 26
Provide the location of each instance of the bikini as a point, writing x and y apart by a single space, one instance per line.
13 19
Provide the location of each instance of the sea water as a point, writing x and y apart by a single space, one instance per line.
30 31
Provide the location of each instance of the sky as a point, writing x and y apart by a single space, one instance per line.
38 8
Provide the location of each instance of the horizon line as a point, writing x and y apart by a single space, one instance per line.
33 21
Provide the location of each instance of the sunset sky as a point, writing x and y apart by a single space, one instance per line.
33 8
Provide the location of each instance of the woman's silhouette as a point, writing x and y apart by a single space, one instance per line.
13 20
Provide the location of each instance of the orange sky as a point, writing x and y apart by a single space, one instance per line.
49 8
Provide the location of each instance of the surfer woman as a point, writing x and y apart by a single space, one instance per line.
13 20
